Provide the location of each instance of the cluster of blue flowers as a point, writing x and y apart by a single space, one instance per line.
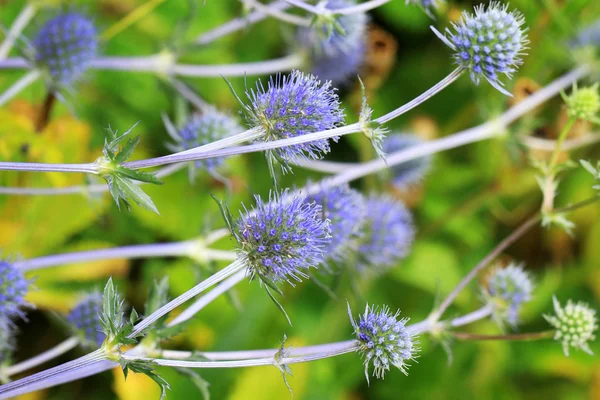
65 47
507 290
84 319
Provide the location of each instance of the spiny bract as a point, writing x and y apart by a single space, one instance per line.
13 288
575 325
507 289
584 103
388 233
345 209
205 128
488 43
336 54
85 319
383 340
65 47
282 238
412 171
294 105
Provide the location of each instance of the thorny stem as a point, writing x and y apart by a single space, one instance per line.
512 337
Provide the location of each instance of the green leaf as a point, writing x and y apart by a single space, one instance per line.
147 368
197 380
130 191
226 213
158 296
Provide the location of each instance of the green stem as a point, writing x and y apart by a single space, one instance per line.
561 139
549 182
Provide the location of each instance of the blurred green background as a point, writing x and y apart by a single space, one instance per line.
472 198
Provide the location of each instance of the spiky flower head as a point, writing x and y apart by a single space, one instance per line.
575 325
84 318
488 43
412 171
383 340
336 43
583 104
65 47
13 288
427 5
345 209
507 290
388 233
282 238
291 106
205 128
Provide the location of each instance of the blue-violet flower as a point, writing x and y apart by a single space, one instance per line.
507 289
84 318
13 288
412 171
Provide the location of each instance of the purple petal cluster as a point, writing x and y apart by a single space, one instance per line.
345 209
412 171
508 289
388 233
282 238
489 43
383 340
336 54
292 106
205 128
13 288
65 47
84 318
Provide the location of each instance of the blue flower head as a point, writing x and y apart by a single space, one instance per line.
588 36
84 318
427 5
507 290
13 288
388 234
291 106
410 172
345 209
65 47
205 128
383 340
488 43
282 238
336 53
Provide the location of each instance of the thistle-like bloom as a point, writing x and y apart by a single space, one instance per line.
388 233
589 36
488 43
583 104
383 340
13 288
282 238
205 128
336 52
291 106
345 209
507 289
65 47
575 325
411 172
427 5
84 318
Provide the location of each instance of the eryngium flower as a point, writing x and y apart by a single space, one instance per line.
507 289
583 103
589 36
282 238
427 5
336 54
85 319
410 172
205 128
488 43
292 106
575 325
65 47
383 340
388 233
13 288
345 209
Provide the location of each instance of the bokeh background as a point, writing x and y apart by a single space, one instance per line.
471 199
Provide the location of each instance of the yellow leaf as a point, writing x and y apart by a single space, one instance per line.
53 299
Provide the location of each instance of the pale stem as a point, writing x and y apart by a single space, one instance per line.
208 298
190 95
17 27
283 64
42 167
572 144
360 8
14 63
329 167
41 358
239 23
278 14
19 85
193 292
174 249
